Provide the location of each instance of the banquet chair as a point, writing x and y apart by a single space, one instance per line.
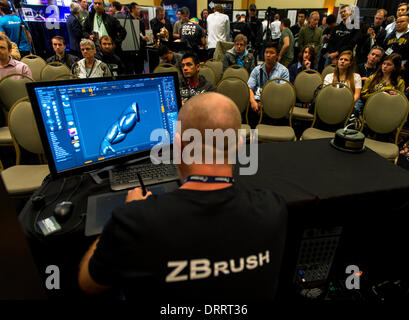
54 69
276 101
217 67
208 73
333 106
36 64
328 69
237 90
236 71
305 83
385 114
22 179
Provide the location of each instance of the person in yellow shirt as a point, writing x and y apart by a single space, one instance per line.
386 79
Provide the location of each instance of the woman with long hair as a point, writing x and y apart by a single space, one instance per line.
345 73
386 79
306 61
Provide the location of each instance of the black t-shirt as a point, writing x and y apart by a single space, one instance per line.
194 244
192 34
364 72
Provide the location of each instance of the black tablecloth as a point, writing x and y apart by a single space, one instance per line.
322 186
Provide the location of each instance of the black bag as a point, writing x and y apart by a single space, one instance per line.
311 109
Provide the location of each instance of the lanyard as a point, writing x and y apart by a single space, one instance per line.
99 21
209 179
92 68
379 87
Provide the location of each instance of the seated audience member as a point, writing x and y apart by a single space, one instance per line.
345 73
146 249
60 54
239 55
369 67
8 65
386 79
306 61
269 70
107 54
89 67
168 56
192 84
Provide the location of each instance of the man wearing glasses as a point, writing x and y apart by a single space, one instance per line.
239 55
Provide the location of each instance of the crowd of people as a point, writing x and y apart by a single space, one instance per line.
366 58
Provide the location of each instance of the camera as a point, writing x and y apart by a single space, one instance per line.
269 14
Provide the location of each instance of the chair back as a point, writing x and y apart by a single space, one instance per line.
221 48
53 70
23 128
208 73
36 64
334 104
66 77
237 90
277 98
306 83
166 67
217 67
13 88
328 69
384 113
236 71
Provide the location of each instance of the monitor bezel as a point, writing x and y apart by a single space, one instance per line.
31 86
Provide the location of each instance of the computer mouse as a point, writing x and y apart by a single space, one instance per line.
62 211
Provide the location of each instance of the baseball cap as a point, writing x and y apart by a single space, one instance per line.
253 7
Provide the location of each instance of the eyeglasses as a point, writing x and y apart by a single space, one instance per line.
239 44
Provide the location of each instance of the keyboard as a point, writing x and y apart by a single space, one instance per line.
126 177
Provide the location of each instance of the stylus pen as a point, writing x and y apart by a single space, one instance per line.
142 184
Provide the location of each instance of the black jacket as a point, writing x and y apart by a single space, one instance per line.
112 25
74 33
156 25
343 38
187 92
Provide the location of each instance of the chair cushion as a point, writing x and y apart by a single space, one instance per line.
385 149
5 136
24 178
313 133
302 113
275 133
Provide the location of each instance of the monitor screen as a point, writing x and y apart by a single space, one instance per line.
89 123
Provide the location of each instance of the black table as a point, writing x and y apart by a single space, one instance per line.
323 187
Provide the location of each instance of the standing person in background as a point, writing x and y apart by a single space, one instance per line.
193 35
326 35
311 34
323 23
10 25
295 29
141 56
238 27
74 29
218 29
255 30
286 54
203 21
84 11
160 22
185 13
116 8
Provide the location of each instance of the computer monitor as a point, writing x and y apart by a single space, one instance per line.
86 124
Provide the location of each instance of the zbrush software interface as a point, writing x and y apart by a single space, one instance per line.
87 123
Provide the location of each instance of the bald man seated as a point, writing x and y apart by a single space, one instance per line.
209 239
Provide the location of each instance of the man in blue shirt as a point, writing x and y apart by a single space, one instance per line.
261 74
10 26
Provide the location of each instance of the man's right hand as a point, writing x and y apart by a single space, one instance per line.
136 194
254 105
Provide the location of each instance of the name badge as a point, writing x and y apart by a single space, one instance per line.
389 51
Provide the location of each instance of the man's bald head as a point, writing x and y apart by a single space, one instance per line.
210 111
